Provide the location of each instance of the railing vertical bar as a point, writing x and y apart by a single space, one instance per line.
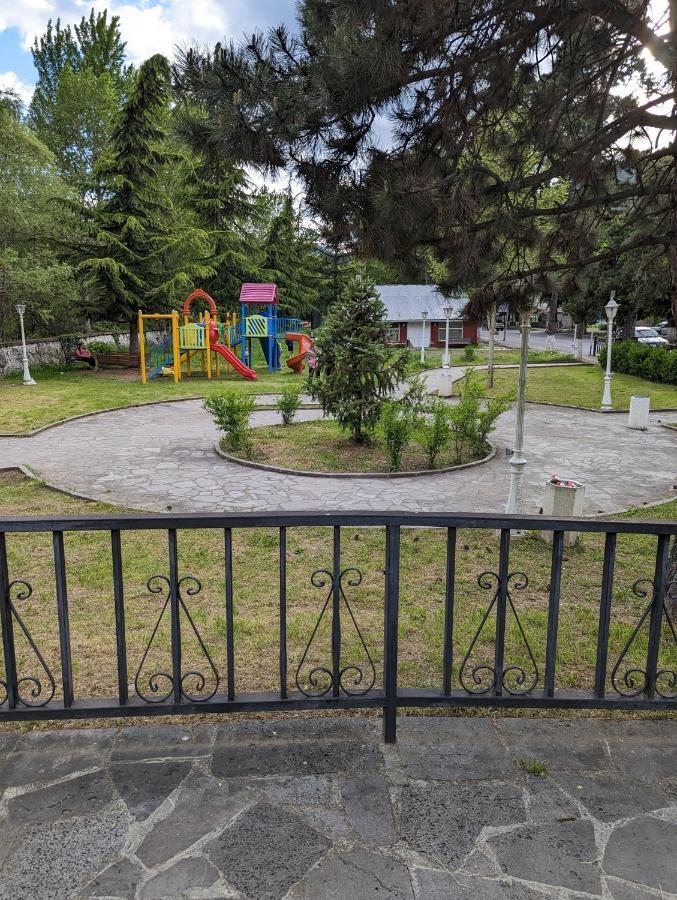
62 613
175 612
392 599
118 595
656 622
449 610
7 627
605 613
336 615
230 648
283 613
501 604
553 612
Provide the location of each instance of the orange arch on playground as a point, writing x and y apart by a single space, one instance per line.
199 294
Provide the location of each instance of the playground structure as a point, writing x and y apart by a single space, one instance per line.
213 341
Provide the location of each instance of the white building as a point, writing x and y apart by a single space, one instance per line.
405 304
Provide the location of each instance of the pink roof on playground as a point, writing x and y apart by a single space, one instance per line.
258 293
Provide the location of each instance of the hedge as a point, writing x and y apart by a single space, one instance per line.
652 363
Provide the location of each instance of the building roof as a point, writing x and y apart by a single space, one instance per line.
258 293
405 302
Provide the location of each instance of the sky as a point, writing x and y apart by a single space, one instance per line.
148 27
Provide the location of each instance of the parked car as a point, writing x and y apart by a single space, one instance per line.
661 328
645 335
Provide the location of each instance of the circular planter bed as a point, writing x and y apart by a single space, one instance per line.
320 448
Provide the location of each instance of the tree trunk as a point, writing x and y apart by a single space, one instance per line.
578 340
629 323
672 228
133 335
491 324
671 590
551 325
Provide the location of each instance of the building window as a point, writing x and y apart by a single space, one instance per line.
393 335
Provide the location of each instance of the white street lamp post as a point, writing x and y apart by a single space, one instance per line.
518 461
611 309
447 309
424 316
21 309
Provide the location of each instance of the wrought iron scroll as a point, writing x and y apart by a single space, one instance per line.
353 680
515 680
22 590
161 684
634 681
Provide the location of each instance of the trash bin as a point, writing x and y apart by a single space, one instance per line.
639 412
563 497
446 384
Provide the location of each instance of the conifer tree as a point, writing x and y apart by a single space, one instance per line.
139 254
356 371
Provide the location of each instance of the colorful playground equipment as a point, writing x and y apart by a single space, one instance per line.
173 351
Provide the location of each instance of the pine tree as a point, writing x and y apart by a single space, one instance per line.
140 255
356 371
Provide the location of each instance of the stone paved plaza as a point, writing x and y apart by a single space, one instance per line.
162 457
319 809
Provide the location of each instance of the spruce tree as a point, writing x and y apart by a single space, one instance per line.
139 254
356 371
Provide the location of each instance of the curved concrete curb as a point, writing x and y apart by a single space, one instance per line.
306 474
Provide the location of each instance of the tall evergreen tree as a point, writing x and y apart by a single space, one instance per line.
356 370
139 255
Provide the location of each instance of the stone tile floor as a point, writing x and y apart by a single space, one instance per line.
317 808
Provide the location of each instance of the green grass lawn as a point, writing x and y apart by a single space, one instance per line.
502 356
322 446
256 598
582 386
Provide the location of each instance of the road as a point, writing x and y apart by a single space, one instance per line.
537 339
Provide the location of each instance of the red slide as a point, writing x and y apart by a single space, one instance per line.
305 342
227 354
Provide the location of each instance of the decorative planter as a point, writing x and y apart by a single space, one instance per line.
562 499
639 412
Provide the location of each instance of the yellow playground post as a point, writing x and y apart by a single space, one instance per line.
176 362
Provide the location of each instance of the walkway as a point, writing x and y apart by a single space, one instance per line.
318 809
161 457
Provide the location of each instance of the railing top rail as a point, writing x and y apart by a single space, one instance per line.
355 518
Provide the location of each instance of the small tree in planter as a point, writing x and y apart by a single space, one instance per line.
356 372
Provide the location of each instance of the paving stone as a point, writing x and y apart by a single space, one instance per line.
610 797
646 758
8 740
367 804
162 742
322 728
458 761
547 802
443 821
294 758
51 861
118 880
643 851
186 875
304 790
562 855
266 851
145 785
623 890
331 822
436 885
355 875
203 804
578 745
74 797
24 768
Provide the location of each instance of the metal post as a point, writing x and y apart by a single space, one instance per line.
515 502
28 380
424 316
610 310
445 363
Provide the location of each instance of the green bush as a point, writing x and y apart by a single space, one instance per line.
97 347
396 426
232 413
289 403
435 430
656 364
474 417
469 353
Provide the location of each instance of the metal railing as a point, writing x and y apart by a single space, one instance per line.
35 692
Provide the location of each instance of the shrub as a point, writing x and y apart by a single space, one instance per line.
415 398
474 417
656 364
97 347
396 426
435 430
232 412
289 403
469 353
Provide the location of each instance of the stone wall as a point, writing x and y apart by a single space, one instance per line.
45 353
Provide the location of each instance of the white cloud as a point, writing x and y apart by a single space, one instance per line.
148 26
10 81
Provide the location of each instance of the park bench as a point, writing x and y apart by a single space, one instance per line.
121 358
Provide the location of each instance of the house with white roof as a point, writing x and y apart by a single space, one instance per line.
406 305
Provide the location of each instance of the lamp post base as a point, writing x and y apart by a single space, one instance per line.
515 504
606 397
